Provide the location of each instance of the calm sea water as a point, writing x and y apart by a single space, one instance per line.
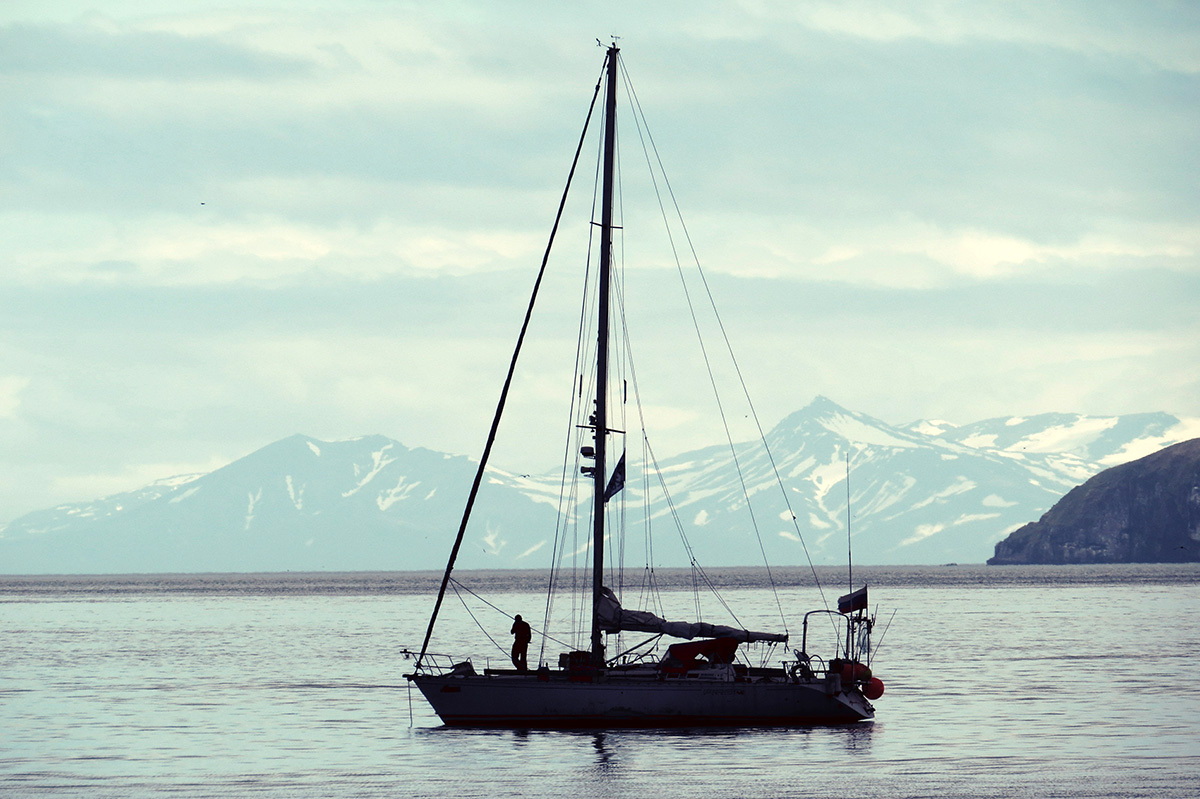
1001 682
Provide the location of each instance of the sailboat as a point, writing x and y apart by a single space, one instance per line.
697 681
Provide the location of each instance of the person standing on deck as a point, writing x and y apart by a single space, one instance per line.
523 634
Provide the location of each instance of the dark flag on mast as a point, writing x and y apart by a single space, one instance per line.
855 600
617 481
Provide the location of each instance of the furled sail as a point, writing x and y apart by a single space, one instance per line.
613 618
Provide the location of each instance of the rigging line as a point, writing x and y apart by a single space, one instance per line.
573 553
487 450
737 368
459 585
648 528
628 374
589 551
561 526
583 347
641 122
644 602
455 585
571 441
687 545
849 543
637 396
649 458
672 510
651 596
639 117
879 643
629 363
572 526
712 587
615 409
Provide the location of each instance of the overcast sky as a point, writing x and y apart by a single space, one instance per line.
225 223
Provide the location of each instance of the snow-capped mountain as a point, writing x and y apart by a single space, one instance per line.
925 492
299 504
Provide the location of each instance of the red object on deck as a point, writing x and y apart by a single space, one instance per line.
682 657
854 671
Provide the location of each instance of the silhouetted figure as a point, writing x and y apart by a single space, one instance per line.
523 634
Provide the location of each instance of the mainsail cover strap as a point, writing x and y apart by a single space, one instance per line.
614 619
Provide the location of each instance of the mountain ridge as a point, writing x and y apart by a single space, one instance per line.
924 492
1143 511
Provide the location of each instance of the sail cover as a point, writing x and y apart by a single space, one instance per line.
614 619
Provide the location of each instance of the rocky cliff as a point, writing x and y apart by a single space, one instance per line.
1145 511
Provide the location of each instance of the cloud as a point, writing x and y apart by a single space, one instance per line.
86 486
225 226
11 387
986 255
102 48
916 254
1152 32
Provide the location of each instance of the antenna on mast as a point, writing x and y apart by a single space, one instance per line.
849 543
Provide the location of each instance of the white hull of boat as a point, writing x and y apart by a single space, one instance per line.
525 700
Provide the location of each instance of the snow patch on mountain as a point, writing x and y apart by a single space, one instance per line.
1185 430
180 498
824 477
396 493
1065 437
889 495
176 481
535 548
254 498
817 522
922 532
545 489
379 460
296 496
492 541
853 429
980 441
961 485
974 517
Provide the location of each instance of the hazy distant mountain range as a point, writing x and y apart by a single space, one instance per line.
927 492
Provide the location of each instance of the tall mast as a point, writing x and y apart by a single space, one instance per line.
601 424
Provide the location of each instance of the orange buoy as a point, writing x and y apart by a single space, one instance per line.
873 689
